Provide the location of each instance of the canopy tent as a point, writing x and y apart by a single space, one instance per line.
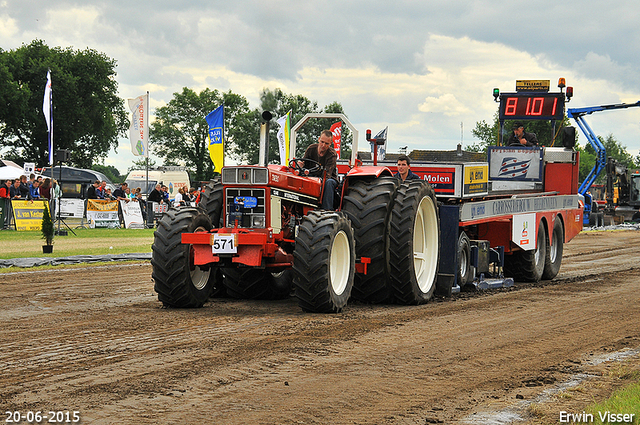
10 172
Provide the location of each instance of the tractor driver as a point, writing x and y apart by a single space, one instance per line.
323 153
521 137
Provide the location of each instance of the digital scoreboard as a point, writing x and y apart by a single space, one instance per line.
531 105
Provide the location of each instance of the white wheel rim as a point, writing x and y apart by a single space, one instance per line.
199 277
537 256
340 262
425 244
553 253
464 264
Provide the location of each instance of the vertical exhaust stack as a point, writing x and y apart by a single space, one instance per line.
264 139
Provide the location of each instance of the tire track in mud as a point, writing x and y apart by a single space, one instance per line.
98 339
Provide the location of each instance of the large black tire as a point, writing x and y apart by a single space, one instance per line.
528 266
414 243
254 284
465 269
212 201
553 255
324 262
177 281
368 205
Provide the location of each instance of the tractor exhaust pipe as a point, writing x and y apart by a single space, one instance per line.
264 139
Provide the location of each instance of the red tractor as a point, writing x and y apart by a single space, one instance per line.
259 233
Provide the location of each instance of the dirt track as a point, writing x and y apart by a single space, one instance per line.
97 341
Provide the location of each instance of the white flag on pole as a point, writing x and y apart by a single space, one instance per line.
46 109
139 129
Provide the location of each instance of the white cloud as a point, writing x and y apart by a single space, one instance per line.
8 27
422 68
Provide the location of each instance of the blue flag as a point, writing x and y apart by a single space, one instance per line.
215 120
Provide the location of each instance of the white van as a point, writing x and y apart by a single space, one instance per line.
170 176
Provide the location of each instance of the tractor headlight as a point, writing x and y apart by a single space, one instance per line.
258 221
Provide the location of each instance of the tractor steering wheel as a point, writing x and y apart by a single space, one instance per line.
294 164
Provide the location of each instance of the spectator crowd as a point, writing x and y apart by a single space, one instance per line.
22 189
49 189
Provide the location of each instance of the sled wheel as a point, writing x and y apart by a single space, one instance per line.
553 257
465 269
528 266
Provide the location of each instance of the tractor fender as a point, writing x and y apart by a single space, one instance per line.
368 171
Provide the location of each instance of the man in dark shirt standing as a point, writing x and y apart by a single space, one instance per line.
323 153
24 187
519 137
156 195
91 192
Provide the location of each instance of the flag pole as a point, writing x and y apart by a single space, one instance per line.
146 152
51 132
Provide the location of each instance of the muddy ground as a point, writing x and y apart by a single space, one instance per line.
96 340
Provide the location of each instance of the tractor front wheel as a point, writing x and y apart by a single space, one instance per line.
178 282
324 262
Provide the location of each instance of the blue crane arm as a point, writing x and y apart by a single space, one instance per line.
601 155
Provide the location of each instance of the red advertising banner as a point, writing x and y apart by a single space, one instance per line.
336 129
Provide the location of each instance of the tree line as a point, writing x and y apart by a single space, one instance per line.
89 117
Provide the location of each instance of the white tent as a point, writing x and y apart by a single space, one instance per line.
11 172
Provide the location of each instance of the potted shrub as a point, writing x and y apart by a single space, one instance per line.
47 230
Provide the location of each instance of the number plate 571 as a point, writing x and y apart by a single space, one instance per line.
224 243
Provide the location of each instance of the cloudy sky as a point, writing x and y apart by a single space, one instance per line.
424 68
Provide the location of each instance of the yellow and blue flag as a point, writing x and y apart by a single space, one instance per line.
215 120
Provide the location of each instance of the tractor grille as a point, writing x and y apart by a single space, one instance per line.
245 175
247 206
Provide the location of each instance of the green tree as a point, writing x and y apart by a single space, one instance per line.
614 150
246 149
141 164
180 134
587 161
488 134
110 171
88 116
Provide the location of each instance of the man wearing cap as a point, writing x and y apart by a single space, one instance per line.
521 137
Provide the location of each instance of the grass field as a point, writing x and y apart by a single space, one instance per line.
85 242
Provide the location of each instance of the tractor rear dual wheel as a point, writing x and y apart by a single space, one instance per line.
414 243
178 282
212 200
368 204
